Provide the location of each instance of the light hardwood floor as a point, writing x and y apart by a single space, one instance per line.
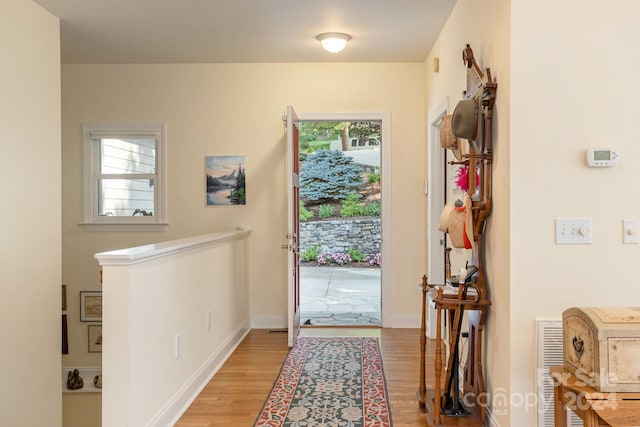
235 395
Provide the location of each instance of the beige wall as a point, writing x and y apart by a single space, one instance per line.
227 109
571 88
574 73
30 253
485 26
82 409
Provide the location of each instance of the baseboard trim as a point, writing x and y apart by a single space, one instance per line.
280 322
405 321
174 408
268 322
492 422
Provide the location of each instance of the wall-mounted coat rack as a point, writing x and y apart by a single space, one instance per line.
480 154
470 122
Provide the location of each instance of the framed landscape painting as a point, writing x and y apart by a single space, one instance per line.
90 306
225 180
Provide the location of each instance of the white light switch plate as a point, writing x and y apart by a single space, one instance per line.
573 231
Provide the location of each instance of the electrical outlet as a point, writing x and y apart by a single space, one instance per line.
573 231
630 230
208 319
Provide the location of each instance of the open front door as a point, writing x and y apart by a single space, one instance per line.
293 226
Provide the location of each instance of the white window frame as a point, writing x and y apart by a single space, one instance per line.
92 221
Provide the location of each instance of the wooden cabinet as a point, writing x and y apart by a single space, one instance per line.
594 407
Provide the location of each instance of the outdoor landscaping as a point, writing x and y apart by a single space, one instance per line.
339 199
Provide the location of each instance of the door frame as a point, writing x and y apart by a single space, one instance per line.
293 225
384 117
436 195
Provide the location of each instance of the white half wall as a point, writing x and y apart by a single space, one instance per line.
172 313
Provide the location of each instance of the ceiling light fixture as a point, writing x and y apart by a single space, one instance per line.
333 42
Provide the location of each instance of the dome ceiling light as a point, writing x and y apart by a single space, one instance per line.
333 42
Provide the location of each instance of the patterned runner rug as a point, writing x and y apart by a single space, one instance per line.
332 382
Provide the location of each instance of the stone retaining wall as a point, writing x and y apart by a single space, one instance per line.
342 235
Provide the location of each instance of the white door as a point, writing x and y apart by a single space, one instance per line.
293 226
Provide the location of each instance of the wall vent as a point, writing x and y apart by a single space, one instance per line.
549 354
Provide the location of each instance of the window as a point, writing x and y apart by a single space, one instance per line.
124 177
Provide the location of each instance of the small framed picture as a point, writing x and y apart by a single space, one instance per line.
95 338
64 297
65 335
90 306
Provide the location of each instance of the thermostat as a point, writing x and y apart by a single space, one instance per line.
602 157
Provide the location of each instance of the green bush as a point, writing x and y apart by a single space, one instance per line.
305 215
351 207
356 255
373 178
373 209
319 145
326 211
310 254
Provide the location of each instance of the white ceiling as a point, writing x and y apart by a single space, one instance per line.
196 31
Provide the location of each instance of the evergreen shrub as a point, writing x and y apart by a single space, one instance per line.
329 175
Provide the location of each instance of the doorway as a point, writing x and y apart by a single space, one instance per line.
342 271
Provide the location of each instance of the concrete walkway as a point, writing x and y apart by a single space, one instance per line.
339 296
